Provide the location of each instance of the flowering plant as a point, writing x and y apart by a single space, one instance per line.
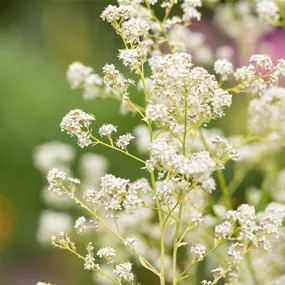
181 223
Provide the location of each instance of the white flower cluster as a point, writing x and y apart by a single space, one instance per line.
113 13
267 115
224 149
108 253
156 112
262 61
199 250
123 271
168 191
81 76
198 167
129 242
223 67
180 85
90 262
89 259
135 28
107 130
124 140
59 183
174 206
252 230
260 75
80 225
116 194
62 240
114 80
190 11
133 58
76 123
268 10
55 179
224 230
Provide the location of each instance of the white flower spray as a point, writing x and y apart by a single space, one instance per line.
173 216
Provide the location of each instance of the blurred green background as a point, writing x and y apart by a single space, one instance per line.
38 40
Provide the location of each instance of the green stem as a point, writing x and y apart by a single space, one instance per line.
188 228
194 262
100 270
224 189
144 262
175 247
161 24
116 148
251 269
162 242
220 175
160 218
185 128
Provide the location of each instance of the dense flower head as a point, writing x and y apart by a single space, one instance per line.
223 67
92 196
236 252
168 191
262 60
80 225
107 130
260 75
114 13
156 112
190 11
177 84
90 262
245 73
170 67
198 166
133 58
123 271
267 10
59 183
116 194
55 179
108 253
76 123
224 230
135 28
124 140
